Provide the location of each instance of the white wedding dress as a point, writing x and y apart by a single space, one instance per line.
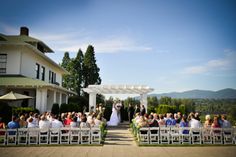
115 117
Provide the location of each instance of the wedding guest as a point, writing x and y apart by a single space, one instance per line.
68 120
162 121
137 109
74 123
143 110
98 120
44 123
83 123
55 122
142 122
2 126
31 123
153 122
184 123
14 123
193 123
36 120
207 122
130 113
226 123
22 122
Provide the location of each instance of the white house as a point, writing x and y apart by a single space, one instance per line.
24 68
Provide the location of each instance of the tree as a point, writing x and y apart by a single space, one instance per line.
55 109
90 68
66 64
77 72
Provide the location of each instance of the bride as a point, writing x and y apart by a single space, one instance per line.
115 115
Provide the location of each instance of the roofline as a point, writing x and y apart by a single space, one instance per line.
37 52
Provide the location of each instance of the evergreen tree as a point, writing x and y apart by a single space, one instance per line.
66 64
77 72
90 68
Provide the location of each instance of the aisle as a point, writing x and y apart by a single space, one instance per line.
119 135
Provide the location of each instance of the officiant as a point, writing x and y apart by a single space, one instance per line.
122 112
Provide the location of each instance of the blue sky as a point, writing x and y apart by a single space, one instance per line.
171 45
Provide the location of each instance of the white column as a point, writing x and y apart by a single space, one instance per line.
44 99
60 98
38 99
143 100
92 100
54 96
66 99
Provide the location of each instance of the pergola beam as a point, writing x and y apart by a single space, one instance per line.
92 90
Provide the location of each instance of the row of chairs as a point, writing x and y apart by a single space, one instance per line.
186 135
65 135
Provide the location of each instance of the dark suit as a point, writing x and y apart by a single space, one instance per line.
130 113
143 111
122 113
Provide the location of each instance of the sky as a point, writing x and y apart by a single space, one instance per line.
171 45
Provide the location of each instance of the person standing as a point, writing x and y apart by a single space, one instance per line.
137 109
130 112
143 110
121 112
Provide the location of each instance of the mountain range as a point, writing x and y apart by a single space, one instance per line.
227 93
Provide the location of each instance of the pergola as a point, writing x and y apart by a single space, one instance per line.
93 90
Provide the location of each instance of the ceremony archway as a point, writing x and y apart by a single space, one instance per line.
93 90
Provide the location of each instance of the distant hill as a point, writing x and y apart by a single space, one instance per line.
227 93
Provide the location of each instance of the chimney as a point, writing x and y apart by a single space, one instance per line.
24 31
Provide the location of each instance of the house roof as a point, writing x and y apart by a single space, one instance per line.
26 82
24 39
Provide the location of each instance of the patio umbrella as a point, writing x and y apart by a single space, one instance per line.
15 96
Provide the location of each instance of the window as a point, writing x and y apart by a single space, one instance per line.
43 73
37 69
52 77
3 63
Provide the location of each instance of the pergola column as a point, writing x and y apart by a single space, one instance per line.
143 100
92 100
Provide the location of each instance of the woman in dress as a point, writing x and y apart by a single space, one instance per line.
115 117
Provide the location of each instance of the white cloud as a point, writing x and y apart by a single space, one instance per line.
226 63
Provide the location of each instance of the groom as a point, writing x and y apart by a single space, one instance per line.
122 112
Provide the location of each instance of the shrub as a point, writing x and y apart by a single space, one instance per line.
55 109
5 112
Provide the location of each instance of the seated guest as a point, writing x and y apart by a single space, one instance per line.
68 120
170 121
194 123
153 122
83 123
73 124
162 121
184 123
2 126
90 119
215 123
226 123
31 123
98 120
36 120
44 123
22 122
55 123
207 121
142 122
14 123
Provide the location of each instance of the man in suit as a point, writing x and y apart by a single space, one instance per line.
121 112
137 109
143 110
130 112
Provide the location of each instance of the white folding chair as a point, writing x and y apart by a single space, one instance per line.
3 136
54 134
95 135
234 135
65 135
217 136
206 135
75 136
44 136
175 135
196 135
11 136
228 135
186 135
33 135
22 136
85 135
154 135
143 135
165 135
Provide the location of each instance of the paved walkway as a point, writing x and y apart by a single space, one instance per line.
119 143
